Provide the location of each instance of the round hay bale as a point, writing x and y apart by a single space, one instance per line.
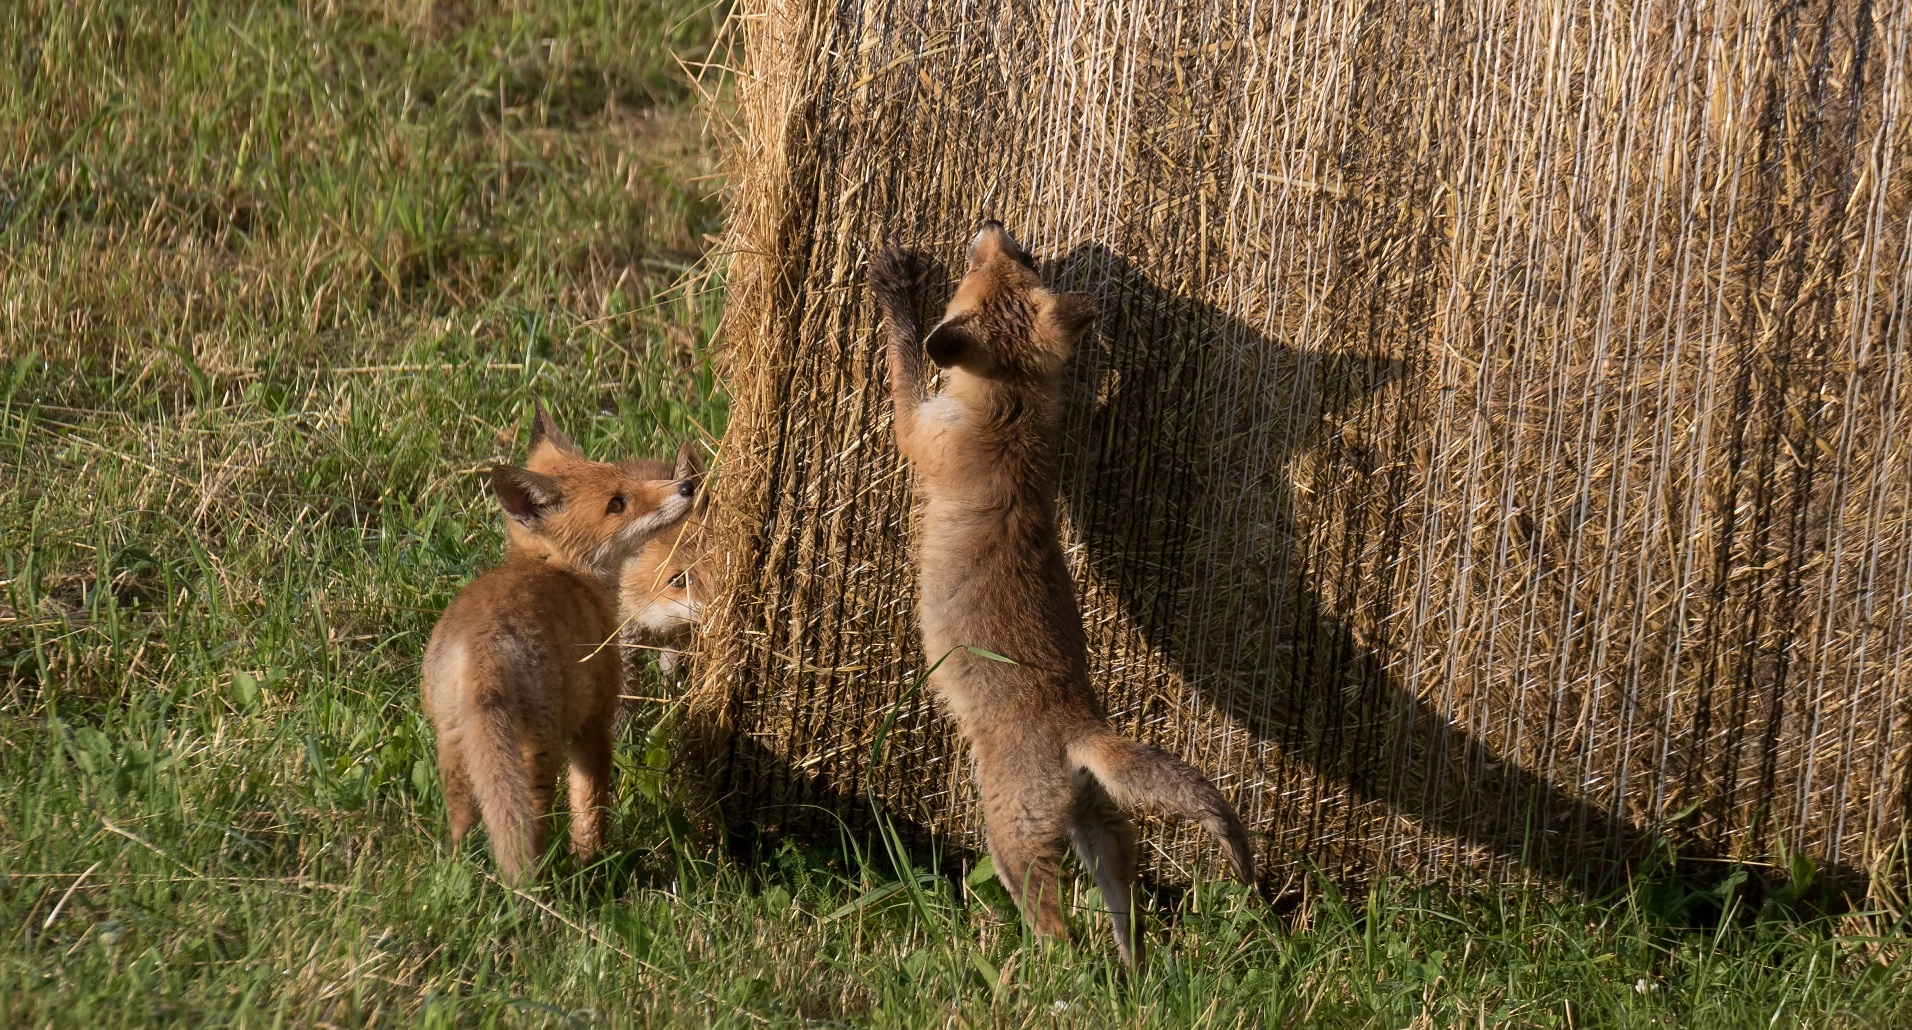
1494 453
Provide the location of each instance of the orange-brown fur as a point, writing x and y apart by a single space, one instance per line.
991 575
517 676
662 591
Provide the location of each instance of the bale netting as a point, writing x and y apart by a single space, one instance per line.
1494 454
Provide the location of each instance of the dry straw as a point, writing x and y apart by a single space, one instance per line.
1495 451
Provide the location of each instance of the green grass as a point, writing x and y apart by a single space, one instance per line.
276 283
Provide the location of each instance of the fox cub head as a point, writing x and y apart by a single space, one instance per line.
661 592
1003 323
587 514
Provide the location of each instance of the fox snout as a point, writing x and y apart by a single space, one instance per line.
993 241
670 510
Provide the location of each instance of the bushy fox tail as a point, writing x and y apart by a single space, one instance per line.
1138 777
495 758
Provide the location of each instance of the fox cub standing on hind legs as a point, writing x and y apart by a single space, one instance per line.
990 574
517 673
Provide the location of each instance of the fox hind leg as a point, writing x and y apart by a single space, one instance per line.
590 788
461 805
1026 831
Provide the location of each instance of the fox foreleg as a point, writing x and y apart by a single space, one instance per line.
893 278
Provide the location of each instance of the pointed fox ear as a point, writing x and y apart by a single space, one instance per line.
950 342
690 463
690 471
1070 313
525 495
546 435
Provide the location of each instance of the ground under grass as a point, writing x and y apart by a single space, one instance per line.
277 282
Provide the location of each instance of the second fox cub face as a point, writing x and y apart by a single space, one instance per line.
662 588
662 591
1003 322
594 513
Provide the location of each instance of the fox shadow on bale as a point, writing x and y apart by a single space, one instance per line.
1178 473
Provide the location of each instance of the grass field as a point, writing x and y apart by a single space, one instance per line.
276 283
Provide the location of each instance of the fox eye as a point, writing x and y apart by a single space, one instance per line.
680 581
616 507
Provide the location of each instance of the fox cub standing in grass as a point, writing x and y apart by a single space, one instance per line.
517 674
661 593
990 574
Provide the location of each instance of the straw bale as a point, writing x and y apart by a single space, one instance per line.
1495 450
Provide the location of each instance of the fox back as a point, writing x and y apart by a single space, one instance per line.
522 669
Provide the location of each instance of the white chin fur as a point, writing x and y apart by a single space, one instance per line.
666 615
640 531
666 516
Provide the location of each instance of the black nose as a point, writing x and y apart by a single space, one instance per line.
686 488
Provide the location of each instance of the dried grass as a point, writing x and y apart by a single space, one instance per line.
1495 451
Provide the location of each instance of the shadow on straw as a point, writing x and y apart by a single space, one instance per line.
1177 477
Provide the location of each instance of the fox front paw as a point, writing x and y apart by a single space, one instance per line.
893 279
